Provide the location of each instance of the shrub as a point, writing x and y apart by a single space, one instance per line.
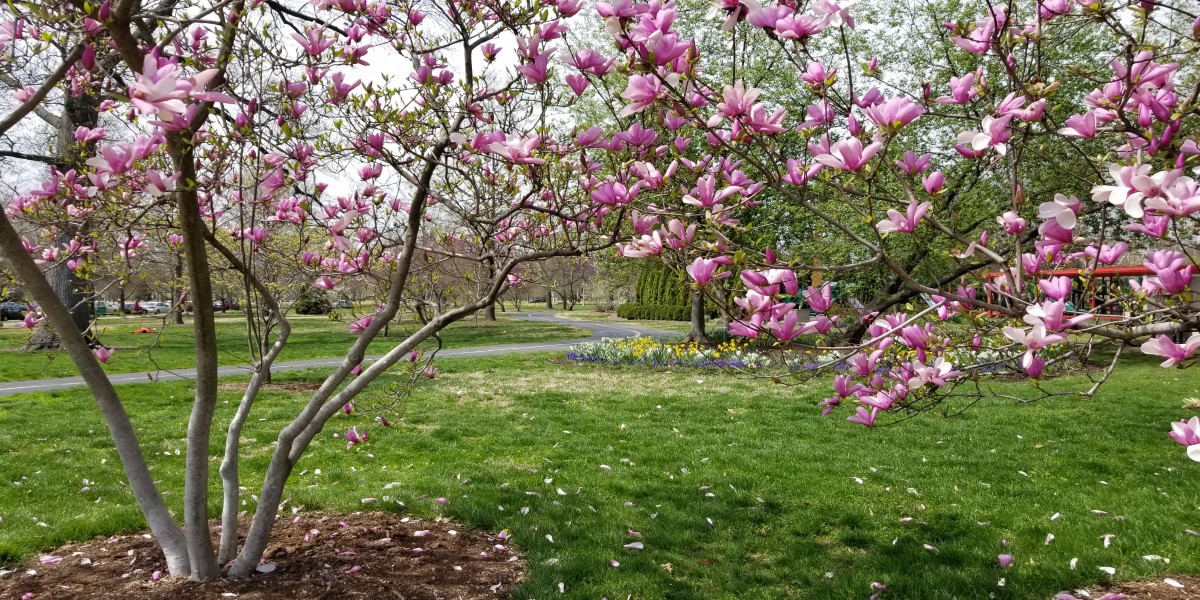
312 302
654 312
658 285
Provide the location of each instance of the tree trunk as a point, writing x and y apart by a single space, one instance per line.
489 313
265 369
549 297
141 482
68 287
697 333
175 295
199 430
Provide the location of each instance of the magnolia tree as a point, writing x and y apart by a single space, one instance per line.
339 134
877 160
343 134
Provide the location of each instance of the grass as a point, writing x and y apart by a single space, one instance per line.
312 337
611 317
739 489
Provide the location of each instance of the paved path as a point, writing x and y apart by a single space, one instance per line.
599 330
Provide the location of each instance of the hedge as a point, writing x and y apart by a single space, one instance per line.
659 312
654 312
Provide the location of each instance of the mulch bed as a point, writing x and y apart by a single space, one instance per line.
316 556
1151 589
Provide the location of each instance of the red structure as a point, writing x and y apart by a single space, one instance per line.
1090 288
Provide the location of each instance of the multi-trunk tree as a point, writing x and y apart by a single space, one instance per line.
253 129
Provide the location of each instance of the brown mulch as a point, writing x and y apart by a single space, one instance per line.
283 386
360 555
1151 589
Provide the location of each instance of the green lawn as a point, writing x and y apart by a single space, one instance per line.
738 489
312 337
611 318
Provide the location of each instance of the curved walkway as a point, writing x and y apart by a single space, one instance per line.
598 330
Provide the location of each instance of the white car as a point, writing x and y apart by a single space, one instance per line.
154 307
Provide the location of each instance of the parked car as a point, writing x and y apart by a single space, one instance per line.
343 303
155 307
134 308
224 304
13 310
105 308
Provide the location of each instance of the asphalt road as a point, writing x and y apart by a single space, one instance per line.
599 330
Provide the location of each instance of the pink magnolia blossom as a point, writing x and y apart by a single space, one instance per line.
935 374
747 329
706 195
800 27
818 300
31 320
911 164
1173 271
1174 353
361 325
1063 209
703 270
933 182
536 70
737 100
578 83
962 90
1035 339
993 134
894 114
788 328
1057 288
102 354
1050 314
1130 185
837 13
519 150
313 42
1154 226
1107 255
615 193
354 438
863 417
1012 222
1187 432
1080 126
642 91
817 77
906 223
849 155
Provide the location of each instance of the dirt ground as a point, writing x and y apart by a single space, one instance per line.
1150 589
312 556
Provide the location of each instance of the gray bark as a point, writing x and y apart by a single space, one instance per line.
697 333
68 287
199 431
141 482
